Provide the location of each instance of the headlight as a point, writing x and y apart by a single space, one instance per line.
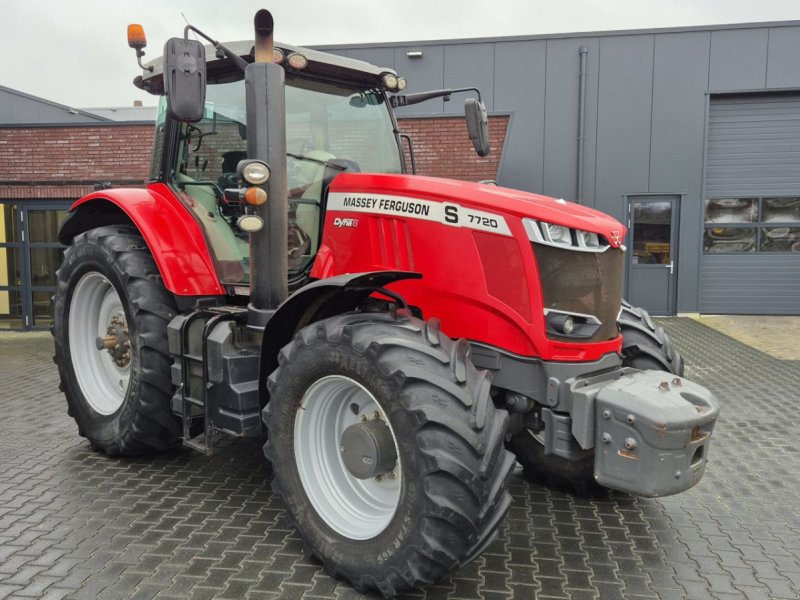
572 325
587 239
550 234
250 223
253 172
558 234
389 81
297 61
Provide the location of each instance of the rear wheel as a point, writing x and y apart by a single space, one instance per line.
645 346
110 326
386 449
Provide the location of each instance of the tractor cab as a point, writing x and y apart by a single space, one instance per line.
338 119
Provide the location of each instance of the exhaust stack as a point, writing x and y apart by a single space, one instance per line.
266 140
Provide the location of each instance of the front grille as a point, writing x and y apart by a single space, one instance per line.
589 283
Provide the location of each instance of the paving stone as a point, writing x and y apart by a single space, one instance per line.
74 523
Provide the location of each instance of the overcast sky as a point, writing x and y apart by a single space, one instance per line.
75 52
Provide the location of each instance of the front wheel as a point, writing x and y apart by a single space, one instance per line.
645 346
386 449
110 327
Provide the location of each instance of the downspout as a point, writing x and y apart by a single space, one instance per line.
582 51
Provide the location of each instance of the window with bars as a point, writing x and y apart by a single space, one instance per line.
747 225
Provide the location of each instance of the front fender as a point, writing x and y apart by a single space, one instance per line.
319 299
171 233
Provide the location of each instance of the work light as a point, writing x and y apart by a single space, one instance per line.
254 172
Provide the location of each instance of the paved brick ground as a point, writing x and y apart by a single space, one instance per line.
75 524
777 336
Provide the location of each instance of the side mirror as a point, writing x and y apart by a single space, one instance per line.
477 125
185 79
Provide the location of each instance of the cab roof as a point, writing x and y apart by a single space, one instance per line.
321 65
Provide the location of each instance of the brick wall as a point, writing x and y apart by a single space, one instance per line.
442 147
63 162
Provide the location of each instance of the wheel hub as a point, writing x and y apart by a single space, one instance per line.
368 449
116 341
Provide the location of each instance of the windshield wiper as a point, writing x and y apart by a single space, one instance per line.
324 163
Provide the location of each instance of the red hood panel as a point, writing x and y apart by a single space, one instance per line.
480 276
491 198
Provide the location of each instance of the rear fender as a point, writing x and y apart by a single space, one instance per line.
171 233
318 300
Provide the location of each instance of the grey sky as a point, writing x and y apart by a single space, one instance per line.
75 52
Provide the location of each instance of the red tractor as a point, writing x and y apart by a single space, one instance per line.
401 341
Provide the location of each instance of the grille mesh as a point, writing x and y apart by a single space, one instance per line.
582 282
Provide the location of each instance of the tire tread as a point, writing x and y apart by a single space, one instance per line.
152 427
460 434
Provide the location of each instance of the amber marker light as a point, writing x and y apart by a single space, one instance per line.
136 37
255 196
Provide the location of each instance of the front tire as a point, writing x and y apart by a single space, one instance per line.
444 497
645 346
108 286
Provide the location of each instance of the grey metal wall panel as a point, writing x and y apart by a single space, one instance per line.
680 78
758 284
520 89
467 65
381 57
624 114
753 145
423 74
561 118
738 59
783 59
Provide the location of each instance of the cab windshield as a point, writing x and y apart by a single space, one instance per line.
329 128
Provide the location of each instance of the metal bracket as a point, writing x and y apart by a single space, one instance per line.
214 315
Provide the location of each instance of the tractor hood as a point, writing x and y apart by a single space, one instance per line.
488 198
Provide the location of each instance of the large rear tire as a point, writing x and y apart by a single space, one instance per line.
444 497
108 286
645 346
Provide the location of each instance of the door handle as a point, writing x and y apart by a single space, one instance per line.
670 267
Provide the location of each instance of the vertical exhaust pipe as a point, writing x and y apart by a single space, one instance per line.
266 140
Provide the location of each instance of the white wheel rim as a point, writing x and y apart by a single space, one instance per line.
358 509
94 304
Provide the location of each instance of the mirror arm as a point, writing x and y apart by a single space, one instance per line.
409 99
238 60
